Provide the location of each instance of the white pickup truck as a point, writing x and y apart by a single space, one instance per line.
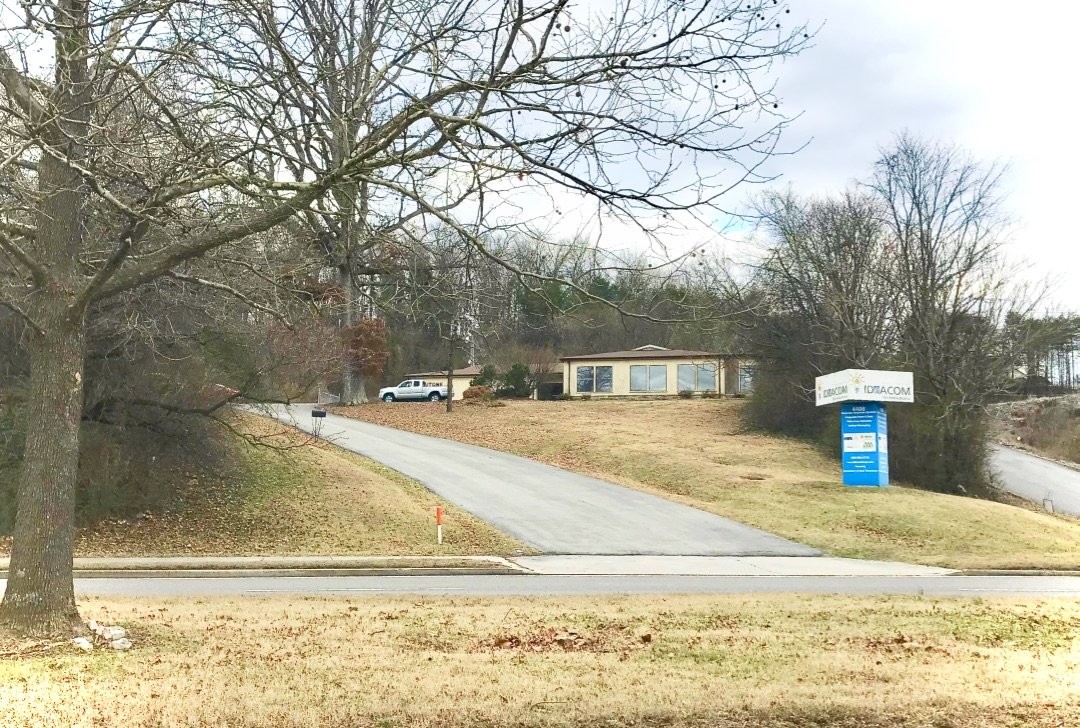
414 389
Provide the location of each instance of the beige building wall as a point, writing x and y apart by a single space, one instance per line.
621 376
460 384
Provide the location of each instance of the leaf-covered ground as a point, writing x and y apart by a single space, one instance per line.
696 452
301 498
721 662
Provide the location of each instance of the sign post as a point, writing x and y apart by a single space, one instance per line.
864 427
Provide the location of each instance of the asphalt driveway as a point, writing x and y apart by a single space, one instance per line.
1037 479
552 510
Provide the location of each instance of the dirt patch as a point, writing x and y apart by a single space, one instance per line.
554 639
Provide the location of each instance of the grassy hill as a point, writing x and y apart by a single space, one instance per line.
296 498
696 452
1047 426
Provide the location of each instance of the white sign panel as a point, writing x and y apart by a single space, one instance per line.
865 385
860 442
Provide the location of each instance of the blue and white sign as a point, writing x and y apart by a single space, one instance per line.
864 451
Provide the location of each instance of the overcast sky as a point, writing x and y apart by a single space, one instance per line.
989 75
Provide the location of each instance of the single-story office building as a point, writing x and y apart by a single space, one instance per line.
656 371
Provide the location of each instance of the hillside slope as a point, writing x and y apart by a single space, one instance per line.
1047 426
298 499
696 452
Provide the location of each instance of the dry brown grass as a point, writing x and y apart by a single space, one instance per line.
304 499
696 452
723 662
1047 426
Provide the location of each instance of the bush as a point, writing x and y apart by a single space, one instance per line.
686 393
585 397
488 377
123 471
11 439
564 397
478 392
780 405
515 381
710 394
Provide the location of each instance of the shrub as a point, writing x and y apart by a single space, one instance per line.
515 381
123 471
478 392
686 393
709 394
780 405
11 444
586 397
565 397
488 377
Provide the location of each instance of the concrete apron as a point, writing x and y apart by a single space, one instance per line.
720 566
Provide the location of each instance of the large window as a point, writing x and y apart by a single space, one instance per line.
697 377
746 378
648 378
594 379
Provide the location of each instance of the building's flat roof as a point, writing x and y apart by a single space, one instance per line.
469 371
647 354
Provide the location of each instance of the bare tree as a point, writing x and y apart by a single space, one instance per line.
906 274
943 212
829 270
818 302
148 136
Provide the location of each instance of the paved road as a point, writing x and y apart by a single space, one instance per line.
533 585
1037 479
552 510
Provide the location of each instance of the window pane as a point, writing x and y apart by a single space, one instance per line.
746 379
639 378
603 379
706 378
658 378
584 379
686 378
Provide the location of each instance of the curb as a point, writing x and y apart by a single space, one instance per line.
213 566
272 573
1018 572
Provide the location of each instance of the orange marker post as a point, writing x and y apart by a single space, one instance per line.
438 524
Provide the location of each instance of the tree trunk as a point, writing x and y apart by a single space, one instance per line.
348 318
40 594
450 378
353 389
40 597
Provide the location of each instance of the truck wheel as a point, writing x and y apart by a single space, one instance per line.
388 398
434 397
